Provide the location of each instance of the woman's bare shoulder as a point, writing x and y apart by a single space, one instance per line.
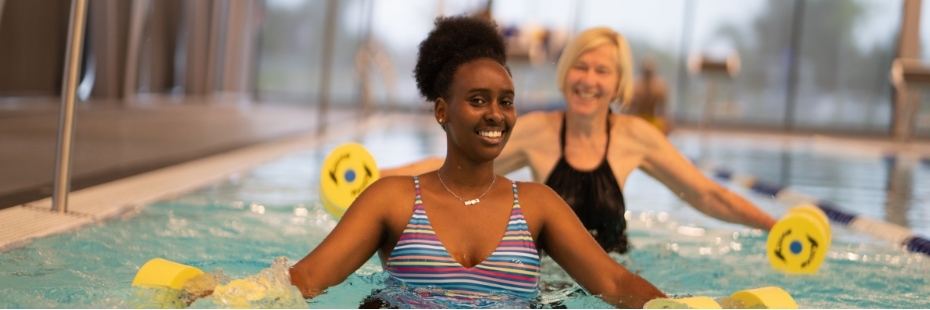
394 181
634 128
541 204
626 121
389 191
537 192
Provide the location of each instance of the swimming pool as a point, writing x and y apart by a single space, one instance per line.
244 222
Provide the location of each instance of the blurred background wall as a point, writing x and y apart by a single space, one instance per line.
807 65
165 81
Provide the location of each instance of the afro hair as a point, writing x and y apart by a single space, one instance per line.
454 41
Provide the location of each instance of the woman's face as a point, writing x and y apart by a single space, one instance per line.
478 114
591 83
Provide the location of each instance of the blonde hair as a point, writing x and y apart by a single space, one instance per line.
593 38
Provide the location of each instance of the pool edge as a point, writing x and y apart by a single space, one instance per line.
19 225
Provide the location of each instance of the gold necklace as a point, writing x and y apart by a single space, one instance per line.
467 202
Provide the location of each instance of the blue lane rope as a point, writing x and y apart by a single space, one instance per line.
895 233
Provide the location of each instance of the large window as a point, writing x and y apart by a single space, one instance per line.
374 49
805 65
846 51
397 27
758 32
290 50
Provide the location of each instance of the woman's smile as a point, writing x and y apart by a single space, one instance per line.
491 136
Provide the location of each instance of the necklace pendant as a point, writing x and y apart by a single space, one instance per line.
471 202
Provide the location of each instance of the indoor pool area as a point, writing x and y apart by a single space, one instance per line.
734 154
240 223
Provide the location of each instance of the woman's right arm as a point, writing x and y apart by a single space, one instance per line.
357 237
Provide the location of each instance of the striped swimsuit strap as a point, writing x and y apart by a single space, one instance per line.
420 260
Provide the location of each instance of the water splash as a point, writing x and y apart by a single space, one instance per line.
203 285
271 288
158 298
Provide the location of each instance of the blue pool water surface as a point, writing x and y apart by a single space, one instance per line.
242 224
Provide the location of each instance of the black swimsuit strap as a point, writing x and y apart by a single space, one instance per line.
595 196
562 134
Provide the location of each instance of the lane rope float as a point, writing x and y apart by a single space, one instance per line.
345 173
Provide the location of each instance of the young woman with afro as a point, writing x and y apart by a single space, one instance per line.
463 232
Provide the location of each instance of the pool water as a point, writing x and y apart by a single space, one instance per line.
240 226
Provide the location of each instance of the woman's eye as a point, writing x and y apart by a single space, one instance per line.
477 101
507 103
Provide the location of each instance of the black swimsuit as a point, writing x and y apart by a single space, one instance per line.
595 196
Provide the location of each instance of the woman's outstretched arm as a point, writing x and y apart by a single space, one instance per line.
665 163
357 237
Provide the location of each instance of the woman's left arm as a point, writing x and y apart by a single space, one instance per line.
564 238
665 163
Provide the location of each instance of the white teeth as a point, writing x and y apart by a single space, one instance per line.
587 95
490 134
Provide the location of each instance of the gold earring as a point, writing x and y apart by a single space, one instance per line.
440 121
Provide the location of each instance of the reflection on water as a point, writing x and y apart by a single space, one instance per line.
900 189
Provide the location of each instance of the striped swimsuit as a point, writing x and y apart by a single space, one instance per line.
419 260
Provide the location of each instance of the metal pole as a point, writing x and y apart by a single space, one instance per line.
66 122
137 21
2 3
326 64
794 60
684 46
366 57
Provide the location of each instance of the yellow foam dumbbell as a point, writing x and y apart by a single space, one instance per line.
162 272
769 297
697 302
818 215
759 298
345 173
799 241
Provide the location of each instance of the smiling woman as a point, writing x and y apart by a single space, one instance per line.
461 233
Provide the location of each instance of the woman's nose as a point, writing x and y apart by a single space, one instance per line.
494 114
588 78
